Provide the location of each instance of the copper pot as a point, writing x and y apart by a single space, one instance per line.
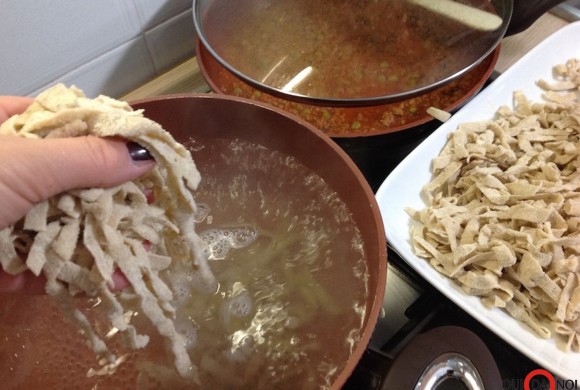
351 108
347 122
36 353
217 116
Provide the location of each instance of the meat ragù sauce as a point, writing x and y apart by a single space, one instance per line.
341 121
343 49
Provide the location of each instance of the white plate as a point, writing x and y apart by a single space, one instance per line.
402 189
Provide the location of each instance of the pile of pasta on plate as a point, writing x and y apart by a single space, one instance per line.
503 209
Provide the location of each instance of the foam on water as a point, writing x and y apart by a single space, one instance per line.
218 242
239 306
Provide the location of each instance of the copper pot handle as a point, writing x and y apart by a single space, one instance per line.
526 12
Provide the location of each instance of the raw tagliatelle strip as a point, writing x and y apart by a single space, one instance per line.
503 209
79 238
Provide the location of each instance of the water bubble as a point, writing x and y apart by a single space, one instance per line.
218 242
186 279
239 306
243 236
187 329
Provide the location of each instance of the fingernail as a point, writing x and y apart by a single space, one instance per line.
138 152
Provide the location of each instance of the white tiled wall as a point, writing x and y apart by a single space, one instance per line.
102 46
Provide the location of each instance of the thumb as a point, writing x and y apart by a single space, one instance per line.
32 170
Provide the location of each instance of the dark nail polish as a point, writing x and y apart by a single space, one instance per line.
138 152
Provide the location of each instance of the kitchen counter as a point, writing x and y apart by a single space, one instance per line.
514 47
401 291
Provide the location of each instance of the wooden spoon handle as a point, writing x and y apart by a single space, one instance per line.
469 16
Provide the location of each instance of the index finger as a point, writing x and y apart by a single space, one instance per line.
12 105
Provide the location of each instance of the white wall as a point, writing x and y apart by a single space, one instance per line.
102 46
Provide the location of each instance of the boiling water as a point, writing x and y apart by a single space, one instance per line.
281 307
292 290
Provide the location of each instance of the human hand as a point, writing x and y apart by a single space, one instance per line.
33 170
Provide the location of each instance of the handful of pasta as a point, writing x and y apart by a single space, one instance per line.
503 209
79 238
